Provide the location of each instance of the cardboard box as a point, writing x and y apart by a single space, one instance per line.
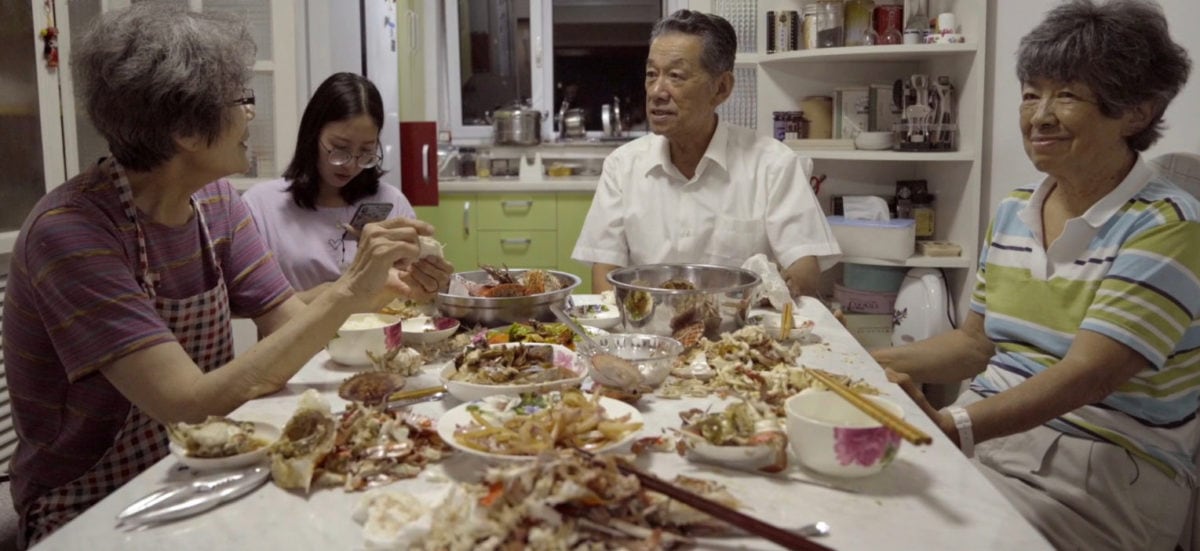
851 111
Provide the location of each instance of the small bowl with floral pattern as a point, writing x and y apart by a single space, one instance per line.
831 436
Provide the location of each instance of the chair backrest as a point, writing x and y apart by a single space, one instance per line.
1181 168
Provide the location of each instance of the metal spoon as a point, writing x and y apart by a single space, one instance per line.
607 369
815 530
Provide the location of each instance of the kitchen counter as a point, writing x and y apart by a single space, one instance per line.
508 185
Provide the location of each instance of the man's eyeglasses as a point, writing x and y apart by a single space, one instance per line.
246 99
341 157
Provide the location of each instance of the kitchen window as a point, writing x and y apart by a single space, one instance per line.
586 52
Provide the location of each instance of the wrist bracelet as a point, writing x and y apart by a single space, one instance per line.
966 436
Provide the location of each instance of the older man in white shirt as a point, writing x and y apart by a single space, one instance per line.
698 190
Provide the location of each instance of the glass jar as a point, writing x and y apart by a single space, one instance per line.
858 22
466 162
829 24
811 14
889 21
483 164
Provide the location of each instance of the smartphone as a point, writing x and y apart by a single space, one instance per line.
370 212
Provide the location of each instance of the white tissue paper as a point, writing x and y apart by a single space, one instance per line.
865 207
773 287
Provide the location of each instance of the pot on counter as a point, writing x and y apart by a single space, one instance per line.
517 124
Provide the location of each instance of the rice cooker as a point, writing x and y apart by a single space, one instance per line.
923 309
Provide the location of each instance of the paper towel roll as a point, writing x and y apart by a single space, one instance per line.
865 207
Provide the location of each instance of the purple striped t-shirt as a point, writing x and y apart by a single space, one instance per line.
74 305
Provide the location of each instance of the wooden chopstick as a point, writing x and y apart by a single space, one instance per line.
785 329
905 429
414 394
738 519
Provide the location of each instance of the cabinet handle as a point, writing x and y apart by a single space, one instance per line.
425 163
516 204
467 218
516 241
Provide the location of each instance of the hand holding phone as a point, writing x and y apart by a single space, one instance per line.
370 212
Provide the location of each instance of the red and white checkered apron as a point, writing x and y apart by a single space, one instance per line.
201 323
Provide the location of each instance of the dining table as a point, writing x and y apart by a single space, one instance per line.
929 497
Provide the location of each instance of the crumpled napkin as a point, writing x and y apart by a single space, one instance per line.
773 287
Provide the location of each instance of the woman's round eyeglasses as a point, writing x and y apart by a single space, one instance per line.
247 98
341 157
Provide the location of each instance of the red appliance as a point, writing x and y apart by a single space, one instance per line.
419 163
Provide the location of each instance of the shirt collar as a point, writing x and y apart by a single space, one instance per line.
717 152
1100 212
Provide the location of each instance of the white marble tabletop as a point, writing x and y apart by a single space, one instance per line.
930 497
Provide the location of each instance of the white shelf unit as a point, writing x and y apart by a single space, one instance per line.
784 79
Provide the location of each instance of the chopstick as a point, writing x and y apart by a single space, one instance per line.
738 519
905 429
414 394
785 329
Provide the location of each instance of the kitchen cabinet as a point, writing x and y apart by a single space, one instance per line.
522 230
457 226
784 79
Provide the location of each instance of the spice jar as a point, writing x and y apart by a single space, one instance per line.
858 21
483 164
923 213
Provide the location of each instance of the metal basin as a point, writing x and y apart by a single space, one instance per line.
720 300
492 312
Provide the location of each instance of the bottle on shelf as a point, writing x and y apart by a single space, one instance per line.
830 24
483 164
466 162
858 22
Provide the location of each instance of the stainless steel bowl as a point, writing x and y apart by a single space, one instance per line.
720 300
653 355
492 312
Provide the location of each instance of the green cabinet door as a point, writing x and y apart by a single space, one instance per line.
456 220
572 209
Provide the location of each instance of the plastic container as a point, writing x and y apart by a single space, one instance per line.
830 24
811 14
864 302
888 240
868 277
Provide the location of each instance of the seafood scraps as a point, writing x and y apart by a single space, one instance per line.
567 501
307 438
215 437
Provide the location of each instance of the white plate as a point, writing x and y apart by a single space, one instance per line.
423 329
772 322
266 431
459 416
563 357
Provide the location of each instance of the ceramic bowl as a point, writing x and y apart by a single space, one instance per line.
653 355
773 324
267 432
831 436
563 357
363 332
426 330
604 316
873 140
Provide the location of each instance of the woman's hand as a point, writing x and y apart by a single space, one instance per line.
425 277
385 250
941 419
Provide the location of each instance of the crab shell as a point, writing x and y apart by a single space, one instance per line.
371 387
215 437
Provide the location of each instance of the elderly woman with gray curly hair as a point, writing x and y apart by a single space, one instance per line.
124 279
1082 334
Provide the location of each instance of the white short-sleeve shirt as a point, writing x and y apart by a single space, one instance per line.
750 195
311 245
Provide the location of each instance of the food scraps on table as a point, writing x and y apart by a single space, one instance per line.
215 437
509 365
567 501
535 423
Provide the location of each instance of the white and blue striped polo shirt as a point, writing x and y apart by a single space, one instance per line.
1129 269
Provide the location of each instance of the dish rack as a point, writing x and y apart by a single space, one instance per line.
927 114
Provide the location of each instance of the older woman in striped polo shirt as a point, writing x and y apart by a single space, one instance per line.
124 279
1082 337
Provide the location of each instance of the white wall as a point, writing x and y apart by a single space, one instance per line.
1005 164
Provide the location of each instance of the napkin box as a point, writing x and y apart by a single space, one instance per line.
888 240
